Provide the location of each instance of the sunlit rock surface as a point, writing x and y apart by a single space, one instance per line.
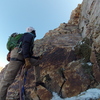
71 57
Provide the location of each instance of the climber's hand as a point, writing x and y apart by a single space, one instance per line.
27 63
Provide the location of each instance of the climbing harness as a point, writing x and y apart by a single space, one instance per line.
16 59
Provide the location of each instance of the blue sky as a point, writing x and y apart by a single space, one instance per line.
43 15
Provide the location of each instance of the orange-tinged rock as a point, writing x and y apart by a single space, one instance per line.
43 93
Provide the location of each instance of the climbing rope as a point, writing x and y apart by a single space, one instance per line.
22 88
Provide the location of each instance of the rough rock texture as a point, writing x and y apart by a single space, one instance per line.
71 57
90 27
75 15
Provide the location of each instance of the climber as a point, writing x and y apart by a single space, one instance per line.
17 59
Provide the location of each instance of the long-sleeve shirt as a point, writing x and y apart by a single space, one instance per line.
27 44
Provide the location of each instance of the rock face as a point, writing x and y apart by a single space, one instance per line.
90 27
71 55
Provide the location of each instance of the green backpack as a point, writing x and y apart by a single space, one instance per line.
13 41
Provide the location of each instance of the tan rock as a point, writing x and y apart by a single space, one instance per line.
61 71
43 93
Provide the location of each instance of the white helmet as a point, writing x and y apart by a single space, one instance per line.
29 29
